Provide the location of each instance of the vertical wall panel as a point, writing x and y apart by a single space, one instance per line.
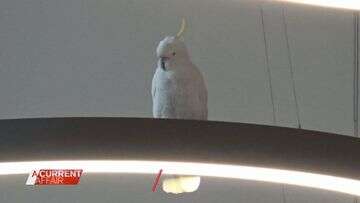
279 65
322 41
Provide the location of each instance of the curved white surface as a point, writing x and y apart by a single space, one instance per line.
345 4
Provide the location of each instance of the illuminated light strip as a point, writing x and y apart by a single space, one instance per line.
345 4
338 184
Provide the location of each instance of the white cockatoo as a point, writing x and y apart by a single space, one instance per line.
178 87
178 92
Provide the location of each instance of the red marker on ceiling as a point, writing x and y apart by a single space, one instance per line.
156 181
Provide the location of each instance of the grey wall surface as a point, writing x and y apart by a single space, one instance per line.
96 58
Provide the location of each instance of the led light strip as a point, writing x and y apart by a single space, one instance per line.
338 184
345 4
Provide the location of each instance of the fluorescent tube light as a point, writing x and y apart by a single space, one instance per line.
345 4
332 183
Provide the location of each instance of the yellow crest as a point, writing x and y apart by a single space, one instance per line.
182 28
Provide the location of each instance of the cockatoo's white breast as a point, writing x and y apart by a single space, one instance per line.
179 93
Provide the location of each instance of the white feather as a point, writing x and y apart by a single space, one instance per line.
178 92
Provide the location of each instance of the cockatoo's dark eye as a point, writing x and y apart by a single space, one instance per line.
173 53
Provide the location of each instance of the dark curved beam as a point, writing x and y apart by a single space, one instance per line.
179 140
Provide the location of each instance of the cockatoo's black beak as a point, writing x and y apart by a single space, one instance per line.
162 62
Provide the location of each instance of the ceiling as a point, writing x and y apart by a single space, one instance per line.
97 58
